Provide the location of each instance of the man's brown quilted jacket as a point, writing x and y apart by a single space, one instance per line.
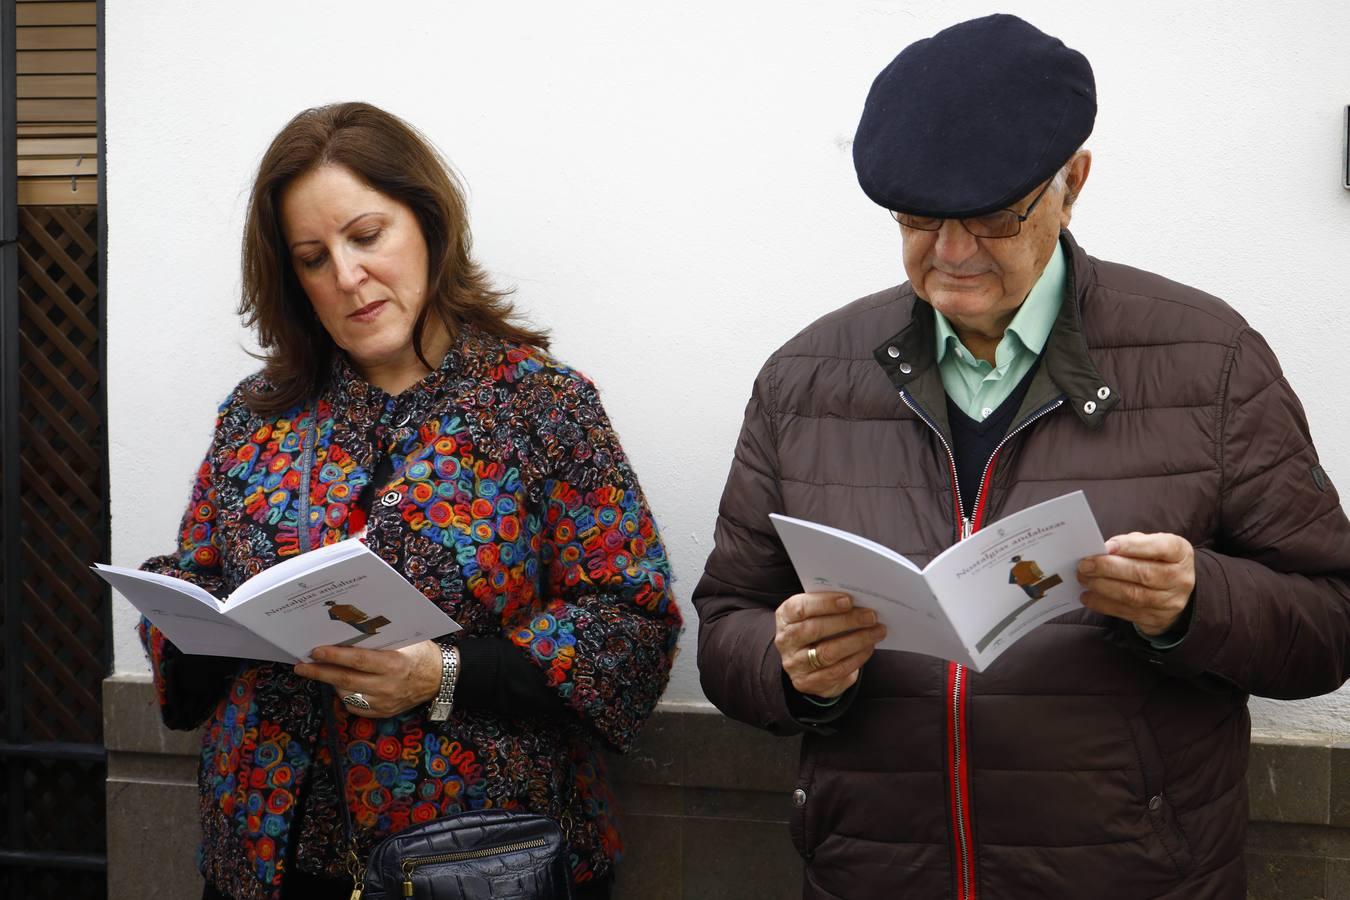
1083 763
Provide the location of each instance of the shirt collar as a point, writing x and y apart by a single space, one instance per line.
1033 321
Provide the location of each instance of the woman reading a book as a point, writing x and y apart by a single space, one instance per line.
401 400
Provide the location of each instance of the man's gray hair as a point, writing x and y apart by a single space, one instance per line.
1061 179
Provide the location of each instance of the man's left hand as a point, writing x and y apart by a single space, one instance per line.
391 681
1146 579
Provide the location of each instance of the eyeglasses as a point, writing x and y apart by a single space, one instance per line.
1005 223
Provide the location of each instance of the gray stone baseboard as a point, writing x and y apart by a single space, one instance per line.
705 803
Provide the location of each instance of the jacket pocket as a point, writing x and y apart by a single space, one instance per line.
1157 807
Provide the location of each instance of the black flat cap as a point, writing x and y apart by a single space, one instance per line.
972 119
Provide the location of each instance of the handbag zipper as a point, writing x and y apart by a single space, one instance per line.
958 761
413 863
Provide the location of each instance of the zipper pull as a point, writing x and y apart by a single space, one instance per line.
408 867
407 888
967 528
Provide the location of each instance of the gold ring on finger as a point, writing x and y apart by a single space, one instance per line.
813 659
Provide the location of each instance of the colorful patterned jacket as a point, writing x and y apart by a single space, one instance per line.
513 507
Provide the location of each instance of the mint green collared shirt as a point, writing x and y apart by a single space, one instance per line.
978 388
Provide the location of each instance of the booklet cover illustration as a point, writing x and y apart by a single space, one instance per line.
369 626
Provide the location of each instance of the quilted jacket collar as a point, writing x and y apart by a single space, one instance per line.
1066 370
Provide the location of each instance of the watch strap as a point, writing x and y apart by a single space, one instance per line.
444 701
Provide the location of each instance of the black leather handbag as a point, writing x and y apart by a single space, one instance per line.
493 854
490 853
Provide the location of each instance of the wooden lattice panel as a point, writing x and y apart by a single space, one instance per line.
57 793
65 620
32 884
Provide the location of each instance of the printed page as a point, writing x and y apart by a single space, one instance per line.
878 578
1016 573
188 615
292 569
351 598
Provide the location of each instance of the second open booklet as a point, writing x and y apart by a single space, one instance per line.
976 598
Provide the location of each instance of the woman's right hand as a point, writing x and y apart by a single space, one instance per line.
390 681
842 636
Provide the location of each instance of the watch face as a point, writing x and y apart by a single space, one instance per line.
439 712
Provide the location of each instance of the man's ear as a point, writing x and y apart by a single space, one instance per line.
1080 164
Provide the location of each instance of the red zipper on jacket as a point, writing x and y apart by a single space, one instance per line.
957 762
958 755
959 796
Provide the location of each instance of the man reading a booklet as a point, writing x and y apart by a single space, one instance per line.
1105 751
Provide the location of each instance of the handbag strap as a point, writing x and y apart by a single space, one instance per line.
354 865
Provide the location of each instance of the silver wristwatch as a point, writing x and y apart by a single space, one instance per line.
444 701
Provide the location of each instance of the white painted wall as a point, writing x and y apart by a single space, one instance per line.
669 187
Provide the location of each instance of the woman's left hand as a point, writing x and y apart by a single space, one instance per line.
391 681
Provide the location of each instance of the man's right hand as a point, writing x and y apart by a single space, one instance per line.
842 636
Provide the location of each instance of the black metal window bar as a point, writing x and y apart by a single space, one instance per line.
54 617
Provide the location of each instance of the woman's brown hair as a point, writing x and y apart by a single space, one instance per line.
396 160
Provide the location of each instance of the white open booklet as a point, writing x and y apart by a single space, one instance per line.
341 594
976 598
